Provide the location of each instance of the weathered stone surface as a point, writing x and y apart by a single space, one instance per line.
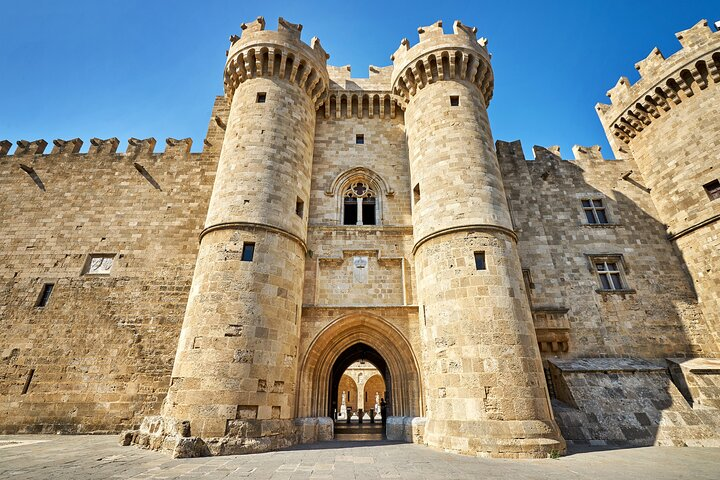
367 202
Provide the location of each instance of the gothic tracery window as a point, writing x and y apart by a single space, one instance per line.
359 204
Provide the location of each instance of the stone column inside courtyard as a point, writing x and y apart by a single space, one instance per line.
235 370
484 383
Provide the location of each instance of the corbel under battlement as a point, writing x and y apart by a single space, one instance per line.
664 83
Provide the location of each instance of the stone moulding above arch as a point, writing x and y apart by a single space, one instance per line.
359 173
344 332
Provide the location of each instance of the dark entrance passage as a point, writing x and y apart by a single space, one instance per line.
360 422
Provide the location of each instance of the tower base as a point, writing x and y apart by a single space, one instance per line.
496 438
242 437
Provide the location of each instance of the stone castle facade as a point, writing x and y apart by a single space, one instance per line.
208 303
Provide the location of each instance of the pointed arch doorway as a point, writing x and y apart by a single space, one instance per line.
350 338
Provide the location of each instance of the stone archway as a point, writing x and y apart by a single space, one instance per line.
339 337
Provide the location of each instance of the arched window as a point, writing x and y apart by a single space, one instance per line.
359 204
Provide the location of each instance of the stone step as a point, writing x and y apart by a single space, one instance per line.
356 437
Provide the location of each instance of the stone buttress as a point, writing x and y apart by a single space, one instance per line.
235 370
486 392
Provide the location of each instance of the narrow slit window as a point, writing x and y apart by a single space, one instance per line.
45 293
359 139
248 252
712 189
299 207
416 193
261 96
594 211
480 261
454 100
28 379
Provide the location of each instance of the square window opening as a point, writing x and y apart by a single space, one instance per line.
454 100
416 193
480 261
609 272
712 189
44 296
359 139
248 251
299 207
261 96
595 213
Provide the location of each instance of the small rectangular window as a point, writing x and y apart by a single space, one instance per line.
454 100
712 189
260 97
594 211
416 193
609 272
480 261
247 252
359 139
368 211
44 295
299 207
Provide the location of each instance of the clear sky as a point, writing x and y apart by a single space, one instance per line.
151 68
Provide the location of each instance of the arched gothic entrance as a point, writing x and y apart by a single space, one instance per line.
341 343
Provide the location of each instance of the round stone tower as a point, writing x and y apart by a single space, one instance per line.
236 362
669 121
485 387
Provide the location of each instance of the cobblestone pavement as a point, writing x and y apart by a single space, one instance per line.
100 457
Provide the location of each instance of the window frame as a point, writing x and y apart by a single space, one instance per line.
371 192
712 189
594 209
621 270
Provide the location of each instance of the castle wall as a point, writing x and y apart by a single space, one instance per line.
657 315
102 349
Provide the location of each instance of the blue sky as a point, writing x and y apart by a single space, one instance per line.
152 68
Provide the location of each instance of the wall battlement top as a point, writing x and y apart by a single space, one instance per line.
135 146
552 153
664 82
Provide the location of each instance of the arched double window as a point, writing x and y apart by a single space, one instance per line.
359 204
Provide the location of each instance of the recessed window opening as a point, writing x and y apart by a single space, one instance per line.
454 100
594 211
712 189
359 139
416 193
44 295
609 273
359 205
299 207
261 96
480 261
248 251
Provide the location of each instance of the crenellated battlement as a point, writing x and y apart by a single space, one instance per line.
439 56
98 146
514 149
664 83
280 54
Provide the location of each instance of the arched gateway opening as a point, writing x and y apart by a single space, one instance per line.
349 339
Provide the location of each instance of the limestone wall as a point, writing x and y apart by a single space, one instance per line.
657 315
102 349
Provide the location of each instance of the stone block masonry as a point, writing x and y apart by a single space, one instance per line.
208 303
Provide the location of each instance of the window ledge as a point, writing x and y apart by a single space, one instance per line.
602 225
621 291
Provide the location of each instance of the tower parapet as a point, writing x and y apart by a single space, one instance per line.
664 83
280 54
439 56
